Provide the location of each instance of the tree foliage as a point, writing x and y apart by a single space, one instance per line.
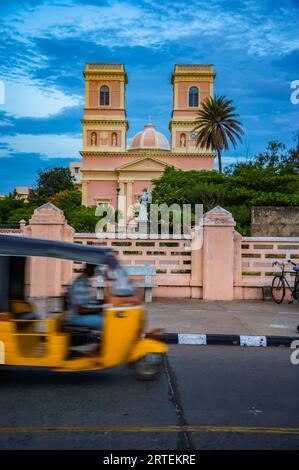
13 208
82 218
270 179
51 182
68 200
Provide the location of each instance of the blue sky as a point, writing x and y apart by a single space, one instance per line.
254 46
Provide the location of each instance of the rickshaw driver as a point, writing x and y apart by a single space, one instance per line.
84 308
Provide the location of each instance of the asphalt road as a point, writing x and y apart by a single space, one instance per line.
209 397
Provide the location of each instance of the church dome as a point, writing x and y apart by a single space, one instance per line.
149 139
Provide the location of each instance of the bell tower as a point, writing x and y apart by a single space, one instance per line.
192 84
105 123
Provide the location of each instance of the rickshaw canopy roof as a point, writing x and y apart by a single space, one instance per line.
16 245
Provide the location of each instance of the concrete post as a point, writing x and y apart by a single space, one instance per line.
48 275
238 288
196 262
218 255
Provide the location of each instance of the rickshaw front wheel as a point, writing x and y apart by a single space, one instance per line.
148 367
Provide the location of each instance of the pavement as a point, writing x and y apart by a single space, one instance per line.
238 317
206 398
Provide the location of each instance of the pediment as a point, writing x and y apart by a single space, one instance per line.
144 164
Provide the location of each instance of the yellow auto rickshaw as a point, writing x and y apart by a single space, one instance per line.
122 341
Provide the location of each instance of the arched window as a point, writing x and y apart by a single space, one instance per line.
193 97
104 95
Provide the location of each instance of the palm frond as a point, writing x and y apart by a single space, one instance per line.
216 125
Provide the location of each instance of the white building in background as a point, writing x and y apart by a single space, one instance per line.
23 192
75 169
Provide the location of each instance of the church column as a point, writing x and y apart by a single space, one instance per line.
122 203
129 193
84 192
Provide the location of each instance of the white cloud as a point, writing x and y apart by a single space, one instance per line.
228 160
151 24
28 99
252 28
49 146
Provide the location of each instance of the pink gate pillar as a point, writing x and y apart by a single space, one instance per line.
47 276
196 262
218 255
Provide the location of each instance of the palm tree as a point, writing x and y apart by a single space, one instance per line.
216 125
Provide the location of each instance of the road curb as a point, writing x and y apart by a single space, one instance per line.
230 340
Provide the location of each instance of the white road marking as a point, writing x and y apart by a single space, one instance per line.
281 326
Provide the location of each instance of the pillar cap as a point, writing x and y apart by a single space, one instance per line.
48 214
218 217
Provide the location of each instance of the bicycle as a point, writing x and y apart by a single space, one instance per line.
280 283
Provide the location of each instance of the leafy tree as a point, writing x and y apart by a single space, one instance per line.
276 160
13 209
68 200
242 216
216 125
209 195
23 213
83 219
51 182
269 179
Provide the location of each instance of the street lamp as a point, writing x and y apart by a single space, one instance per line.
117 207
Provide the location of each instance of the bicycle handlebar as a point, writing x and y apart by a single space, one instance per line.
292 262
282 265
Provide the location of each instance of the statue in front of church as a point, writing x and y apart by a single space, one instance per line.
94 139
145 199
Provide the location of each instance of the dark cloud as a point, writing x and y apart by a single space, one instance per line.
21 169
257 83
65 122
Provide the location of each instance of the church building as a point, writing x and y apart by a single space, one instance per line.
109 168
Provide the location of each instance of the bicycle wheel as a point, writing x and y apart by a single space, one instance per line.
278 289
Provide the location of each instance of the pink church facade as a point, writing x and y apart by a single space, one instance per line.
109 168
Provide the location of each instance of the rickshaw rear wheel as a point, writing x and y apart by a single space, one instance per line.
148 367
